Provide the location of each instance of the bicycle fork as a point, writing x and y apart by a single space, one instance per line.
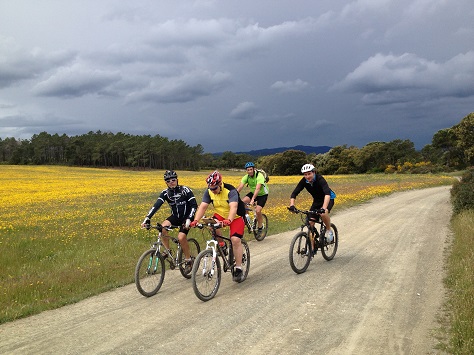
209 272
151 270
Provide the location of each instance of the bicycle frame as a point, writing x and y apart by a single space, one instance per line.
252 222
172 260
213 244
312 230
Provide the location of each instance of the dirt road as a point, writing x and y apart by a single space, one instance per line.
379 295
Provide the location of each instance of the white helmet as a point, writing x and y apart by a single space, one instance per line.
307 167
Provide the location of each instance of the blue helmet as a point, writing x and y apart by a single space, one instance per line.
249 165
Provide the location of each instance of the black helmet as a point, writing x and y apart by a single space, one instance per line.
170 174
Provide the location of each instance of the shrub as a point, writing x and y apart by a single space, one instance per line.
390 169
462 193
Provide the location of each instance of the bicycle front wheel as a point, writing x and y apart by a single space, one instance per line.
206 275
194 250
329 249
149 273
300 252
261 236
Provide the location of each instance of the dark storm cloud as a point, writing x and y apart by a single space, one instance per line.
188 87
18 65
306 72
244 111
75 82
290 86
386 79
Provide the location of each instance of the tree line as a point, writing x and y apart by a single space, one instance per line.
98 149
451 149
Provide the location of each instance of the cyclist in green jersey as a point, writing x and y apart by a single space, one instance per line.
258 191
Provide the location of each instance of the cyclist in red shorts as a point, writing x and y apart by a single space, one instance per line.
229 210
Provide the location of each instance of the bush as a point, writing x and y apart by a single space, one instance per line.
462 193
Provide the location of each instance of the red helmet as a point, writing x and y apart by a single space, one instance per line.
214 179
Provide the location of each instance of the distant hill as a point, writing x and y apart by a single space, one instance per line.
270 151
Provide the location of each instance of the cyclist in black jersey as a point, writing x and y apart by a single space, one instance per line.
183 207
318 187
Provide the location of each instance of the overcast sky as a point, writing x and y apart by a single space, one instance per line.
237 75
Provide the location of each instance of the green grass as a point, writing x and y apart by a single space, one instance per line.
457 330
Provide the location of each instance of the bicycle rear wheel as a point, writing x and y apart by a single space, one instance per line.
300 252
206 275
194 250
329 249
149 273
261 236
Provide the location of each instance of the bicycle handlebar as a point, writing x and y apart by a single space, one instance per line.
320 211
249 207
209 222
160 227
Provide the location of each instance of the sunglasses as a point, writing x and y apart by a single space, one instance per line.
171 180
214 188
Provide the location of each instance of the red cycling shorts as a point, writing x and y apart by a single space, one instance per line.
236 227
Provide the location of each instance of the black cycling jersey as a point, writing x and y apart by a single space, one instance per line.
181 200
318 188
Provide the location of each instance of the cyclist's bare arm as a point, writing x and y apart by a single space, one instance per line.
255 193
240 187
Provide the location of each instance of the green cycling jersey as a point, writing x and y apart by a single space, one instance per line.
252 182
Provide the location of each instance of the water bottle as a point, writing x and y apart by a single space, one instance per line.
247 218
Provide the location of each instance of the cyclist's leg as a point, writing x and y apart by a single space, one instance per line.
261 201
182 234
247 198
325 216
236 233
312 218
311 223
183 240
166 223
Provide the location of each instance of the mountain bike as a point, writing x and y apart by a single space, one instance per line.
252 223
301 246
207 273
150 269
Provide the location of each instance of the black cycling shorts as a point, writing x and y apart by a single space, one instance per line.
261 200
175 221
317 205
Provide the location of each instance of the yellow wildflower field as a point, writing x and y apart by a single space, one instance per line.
67 233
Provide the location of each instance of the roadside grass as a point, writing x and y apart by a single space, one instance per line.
70 233
456 333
